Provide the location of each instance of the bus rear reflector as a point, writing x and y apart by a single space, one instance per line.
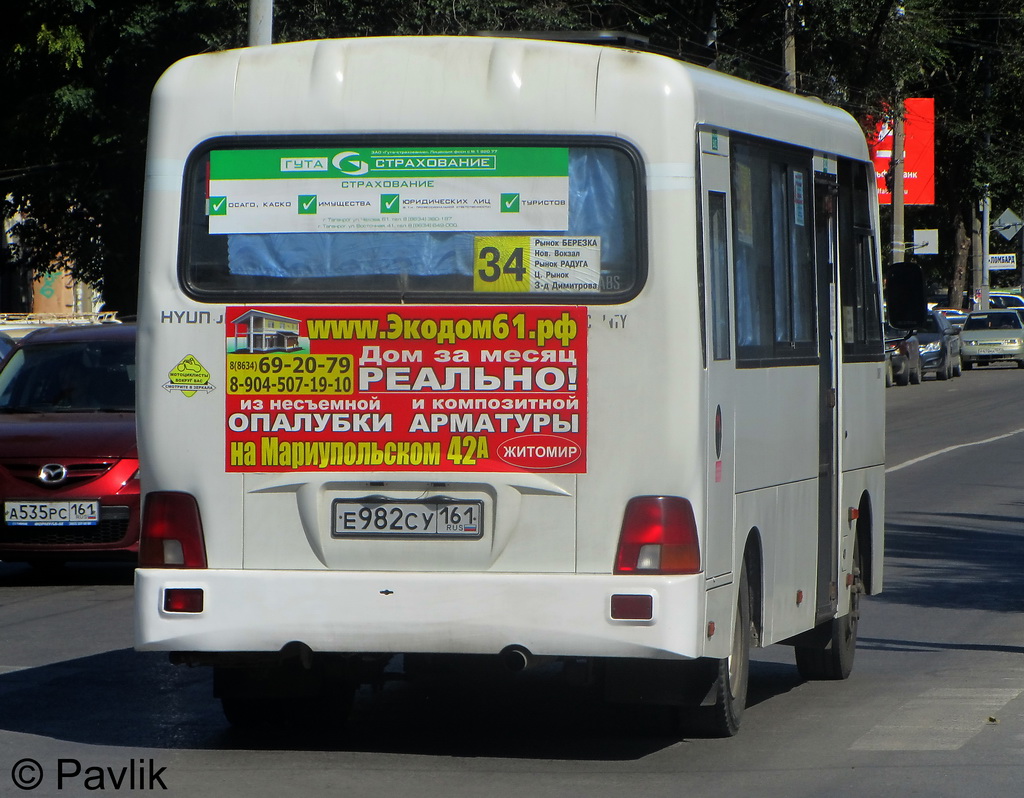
183 599
626 607
172 532
659 536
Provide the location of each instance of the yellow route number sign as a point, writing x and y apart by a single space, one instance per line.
502 263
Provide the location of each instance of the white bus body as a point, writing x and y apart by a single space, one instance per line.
421 317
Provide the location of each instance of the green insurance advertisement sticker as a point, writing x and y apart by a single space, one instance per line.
452 189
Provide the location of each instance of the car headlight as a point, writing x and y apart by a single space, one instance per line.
934 346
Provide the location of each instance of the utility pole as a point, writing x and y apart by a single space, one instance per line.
261 22
899 243
980 249
976 259
986 230
789 45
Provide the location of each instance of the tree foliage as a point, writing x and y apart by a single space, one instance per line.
73 144
79 75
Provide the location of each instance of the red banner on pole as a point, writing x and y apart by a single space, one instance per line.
919 153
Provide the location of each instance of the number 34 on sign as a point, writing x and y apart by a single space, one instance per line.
537 264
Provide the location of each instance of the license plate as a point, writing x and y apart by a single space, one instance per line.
51 513
437 518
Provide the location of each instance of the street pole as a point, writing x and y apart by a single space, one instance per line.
899 244
1020 262
789 47
986 212
261 22
976 259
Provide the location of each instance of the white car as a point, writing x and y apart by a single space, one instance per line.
1007 301
991 336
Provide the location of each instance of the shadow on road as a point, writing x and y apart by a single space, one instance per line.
79 573
923 646
956 561
139 700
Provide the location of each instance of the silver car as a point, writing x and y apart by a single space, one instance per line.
992 335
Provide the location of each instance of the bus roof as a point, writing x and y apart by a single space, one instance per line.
474 84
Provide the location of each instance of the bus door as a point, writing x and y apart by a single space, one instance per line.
826 248
718 348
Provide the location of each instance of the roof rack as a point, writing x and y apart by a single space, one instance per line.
610 38
19 324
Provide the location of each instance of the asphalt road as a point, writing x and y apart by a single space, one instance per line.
933 708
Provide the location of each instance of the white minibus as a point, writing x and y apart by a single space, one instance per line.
503 347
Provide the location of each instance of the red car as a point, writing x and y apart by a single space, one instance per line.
69 466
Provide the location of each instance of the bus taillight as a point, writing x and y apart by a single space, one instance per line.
172 532
659 536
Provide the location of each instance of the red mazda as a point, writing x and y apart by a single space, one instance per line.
69 467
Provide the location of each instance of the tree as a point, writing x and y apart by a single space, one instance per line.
73 154
978 106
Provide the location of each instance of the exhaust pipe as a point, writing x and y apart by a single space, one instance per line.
516 658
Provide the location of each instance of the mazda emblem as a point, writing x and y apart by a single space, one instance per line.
52 474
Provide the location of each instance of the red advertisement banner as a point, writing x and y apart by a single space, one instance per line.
412 388
918 149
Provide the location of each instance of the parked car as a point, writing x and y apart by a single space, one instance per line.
69 480
902 357
940 347
956 317
992 336
1007 301
6 345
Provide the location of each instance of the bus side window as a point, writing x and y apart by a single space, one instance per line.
861 313
718 261
774 265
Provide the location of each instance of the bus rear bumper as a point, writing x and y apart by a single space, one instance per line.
566 615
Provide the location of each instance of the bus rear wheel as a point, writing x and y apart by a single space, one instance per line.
723 718
834 661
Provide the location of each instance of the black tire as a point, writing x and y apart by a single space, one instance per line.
723 719
958 366
915 376
835 660
945 372
903 378
968 365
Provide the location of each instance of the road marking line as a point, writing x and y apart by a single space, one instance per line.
924 457
941 719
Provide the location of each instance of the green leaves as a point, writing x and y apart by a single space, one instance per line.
79 76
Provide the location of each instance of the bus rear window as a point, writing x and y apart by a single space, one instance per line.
343 221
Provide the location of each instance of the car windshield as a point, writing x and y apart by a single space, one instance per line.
70 377
992 321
